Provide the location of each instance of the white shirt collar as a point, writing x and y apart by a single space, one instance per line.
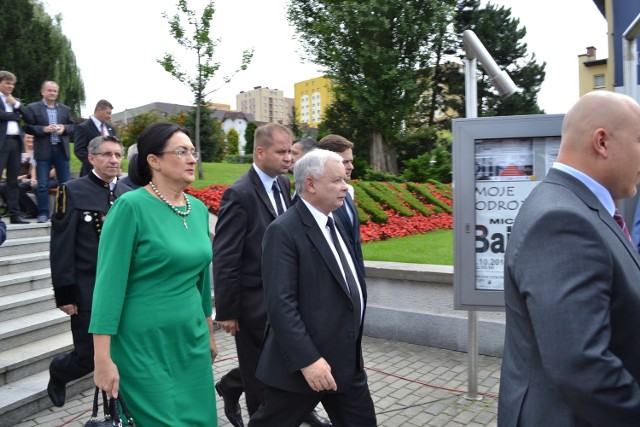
601 193
267 181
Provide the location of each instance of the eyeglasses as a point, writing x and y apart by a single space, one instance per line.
108 155
182 153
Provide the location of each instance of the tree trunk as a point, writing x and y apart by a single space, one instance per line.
383 155
197 140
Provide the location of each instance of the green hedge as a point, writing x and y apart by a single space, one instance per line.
423 190
411 200
368 205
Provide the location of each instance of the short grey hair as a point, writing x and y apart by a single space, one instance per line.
133 149
95 143
312 164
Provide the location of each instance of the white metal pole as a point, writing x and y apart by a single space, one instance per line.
471 104
630 58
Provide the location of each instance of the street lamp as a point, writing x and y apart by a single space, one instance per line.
501 81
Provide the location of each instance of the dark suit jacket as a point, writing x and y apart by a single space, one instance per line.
5 117
309 309
572 297
81 206
352 229
3 231
36 118
244 214
82 135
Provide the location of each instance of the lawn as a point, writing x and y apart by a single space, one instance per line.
435 247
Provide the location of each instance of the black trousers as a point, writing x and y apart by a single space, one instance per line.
353 408
10 161
79 362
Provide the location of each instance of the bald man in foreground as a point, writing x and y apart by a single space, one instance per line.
572 280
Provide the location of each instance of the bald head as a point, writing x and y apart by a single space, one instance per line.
601 138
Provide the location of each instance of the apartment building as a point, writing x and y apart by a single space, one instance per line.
266 105
311 99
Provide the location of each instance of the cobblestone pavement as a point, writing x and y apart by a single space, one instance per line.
411 386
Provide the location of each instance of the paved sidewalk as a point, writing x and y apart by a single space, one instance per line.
411 385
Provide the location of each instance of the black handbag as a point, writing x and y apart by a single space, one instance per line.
112 414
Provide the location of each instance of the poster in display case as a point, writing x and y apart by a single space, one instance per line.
497 162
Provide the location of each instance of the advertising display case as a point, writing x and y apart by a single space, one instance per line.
497 162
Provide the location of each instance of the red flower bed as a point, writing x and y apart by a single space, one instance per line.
210 196
400 226
396 226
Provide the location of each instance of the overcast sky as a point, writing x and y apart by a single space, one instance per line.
116 48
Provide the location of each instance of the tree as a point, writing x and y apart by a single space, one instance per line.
129 133
377 53
233 143
249 134
294 121
203 46
211 135
35 50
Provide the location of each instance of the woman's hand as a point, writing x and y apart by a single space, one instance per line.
107 377
105 373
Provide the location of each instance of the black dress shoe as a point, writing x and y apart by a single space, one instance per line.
315 420
57 393
231 408
18 220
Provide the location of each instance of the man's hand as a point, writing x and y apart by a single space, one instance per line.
318 376
69 309
229 326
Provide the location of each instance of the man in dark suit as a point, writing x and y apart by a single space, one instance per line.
10 143
315 298
572 276
51 124
81 207
246 208
346 213
95 125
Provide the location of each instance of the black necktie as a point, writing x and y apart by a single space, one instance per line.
276 196
351 281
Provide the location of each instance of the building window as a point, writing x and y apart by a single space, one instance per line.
598 81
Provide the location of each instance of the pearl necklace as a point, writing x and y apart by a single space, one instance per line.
181 215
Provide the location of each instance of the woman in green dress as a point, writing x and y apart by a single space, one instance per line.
151 317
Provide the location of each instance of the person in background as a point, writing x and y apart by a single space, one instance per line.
571 280
76 225
51 124
132 155
26 180
316 301
347 213
96 125
151 315
299 149
10 144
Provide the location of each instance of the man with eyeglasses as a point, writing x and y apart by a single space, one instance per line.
81 207
96 125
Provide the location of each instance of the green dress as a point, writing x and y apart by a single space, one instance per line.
152 295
